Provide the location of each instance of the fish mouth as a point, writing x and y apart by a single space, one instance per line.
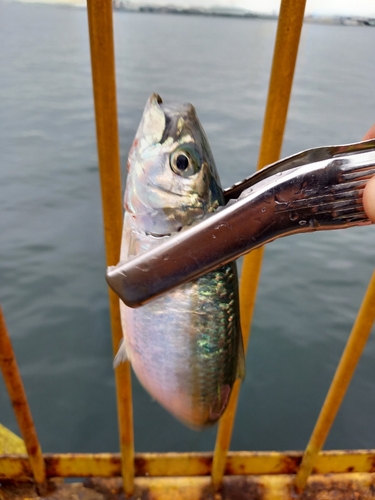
154 235
164 235
156 187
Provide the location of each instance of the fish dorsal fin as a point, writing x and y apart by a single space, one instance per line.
153 121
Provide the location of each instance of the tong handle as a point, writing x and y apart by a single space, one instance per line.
326 194
313 155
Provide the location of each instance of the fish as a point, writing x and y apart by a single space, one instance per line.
185 347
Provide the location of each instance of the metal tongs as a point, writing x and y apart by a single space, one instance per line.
315 190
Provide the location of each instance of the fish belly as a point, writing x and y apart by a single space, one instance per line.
184 346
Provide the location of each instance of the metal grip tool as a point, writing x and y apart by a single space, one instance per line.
317 189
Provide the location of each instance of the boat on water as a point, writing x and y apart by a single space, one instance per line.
25 472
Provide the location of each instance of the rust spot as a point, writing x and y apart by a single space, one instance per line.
111 489
140 466
60 465
53 467
289 464
206 463
33 448
22 465
208 493
14 490
230 470
115 459
243 488
26 469
11 489
108 487
336 489
350 469
235 488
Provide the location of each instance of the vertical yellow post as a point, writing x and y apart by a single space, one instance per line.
14 385
344 372
104 85
281 80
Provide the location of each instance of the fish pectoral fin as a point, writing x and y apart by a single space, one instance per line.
121 355
241 364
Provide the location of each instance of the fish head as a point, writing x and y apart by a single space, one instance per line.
172 178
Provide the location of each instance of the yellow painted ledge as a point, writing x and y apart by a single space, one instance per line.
148 465
10 443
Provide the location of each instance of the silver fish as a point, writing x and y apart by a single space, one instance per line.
186 346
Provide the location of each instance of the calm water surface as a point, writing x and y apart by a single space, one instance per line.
52 285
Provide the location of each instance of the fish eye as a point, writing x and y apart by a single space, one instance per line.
184 163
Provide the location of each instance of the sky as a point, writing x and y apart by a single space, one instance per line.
359 8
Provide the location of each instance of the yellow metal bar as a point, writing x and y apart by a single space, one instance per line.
104 85
350 357
10 443
187 464
281 80
20 405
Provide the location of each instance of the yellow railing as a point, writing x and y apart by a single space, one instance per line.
18 398
277 475
104 85
280 86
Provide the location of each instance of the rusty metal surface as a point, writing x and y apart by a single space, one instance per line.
15 467
356 486
17 395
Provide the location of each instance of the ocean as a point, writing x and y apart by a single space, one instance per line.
52 286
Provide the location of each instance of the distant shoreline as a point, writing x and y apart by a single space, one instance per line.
128 6
192 11
237 13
